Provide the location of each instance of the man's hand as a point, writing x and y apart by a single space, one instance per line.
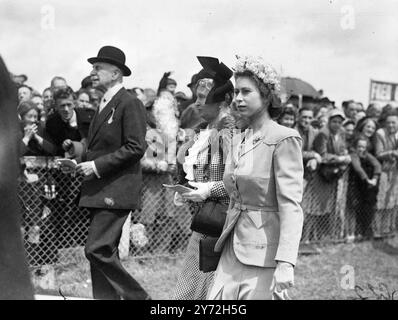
67 144
85 168
317 157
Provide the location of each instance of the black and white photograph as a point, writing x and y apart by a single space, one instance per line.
204 150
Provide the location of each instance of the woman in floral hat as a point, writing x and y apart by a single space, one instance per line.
264 178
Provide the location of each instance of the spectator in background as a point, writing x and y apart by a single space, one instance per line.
24 93
33 143
58 83
65 126
48 101
167 83
150 95
374 111
181 99
38 101
185 104
349 127
287 117
86 83
96 95
387 154
367 127
385 111
83 99
190 117
140 94
330 144
351 109
311 162
320 116
362 190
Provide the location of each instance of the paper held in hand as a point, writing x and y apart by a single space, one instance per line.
178 188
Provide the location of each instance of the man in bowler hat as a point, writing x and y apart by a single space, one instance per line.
112 175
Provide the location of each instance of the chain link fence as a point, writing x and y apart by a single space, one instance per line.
55 229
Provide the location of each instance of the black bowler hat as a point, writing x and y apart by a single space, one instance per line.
114 56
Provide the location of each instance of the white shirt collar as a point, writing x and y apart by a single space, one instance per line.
110 93
73 120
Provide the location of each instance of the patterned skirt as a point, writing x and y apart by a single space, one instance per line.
192 284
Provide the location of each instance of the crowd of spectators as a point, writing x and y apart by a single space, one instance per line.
351 144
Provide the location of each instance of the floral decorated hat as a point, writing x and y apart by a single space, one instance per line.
262 70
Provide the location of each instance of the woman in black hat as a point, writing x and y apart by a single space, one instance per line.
203 166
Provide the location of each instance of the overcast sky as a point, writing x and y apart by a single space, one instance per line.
314 40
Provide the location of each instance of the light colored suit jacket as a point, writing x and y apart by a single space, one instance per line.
264 177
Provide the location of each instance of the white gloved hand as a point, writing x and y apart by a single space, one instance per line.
201 193
178 200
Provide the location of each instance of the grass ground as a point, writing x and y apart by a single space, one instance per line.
322 276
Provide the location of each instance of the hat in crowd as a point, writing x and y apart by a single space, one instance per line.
348 121
20 78
171 81
181 95
336 113
114 56
220 73
25 106
86 82
193 80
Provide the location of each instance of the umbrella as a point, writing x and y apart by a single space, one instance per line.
295 86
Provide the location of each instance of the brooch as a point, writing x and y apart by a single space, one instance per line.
109 202
257 139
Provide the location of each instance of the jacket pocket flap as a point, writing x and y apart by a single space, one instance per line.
257 217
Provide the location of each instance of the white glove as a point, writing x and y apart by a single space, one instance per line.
178 200
201 193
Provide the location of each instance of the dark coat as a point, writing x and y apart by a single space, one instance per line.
57 130
116 143
34 148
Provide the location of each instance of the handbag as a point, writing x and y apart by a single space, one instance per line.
208 258
209 219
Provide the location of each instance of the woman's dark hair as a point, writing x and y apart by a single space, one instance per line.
275 105
25 106
361 137
347 122
362 123
287 110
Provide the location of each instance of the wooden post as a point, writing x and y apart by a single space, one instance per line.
124 244
300 100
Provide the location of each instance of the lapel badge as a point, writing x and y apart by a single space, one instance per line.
257 139
111 117
109 202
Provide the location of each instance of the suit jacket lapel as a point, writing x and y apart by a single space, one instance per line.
101 117
254 140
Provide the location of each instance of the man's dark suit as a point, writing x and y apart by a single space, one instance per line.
116 143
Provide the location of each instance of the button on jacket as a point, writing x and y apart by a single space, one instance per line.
264 177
